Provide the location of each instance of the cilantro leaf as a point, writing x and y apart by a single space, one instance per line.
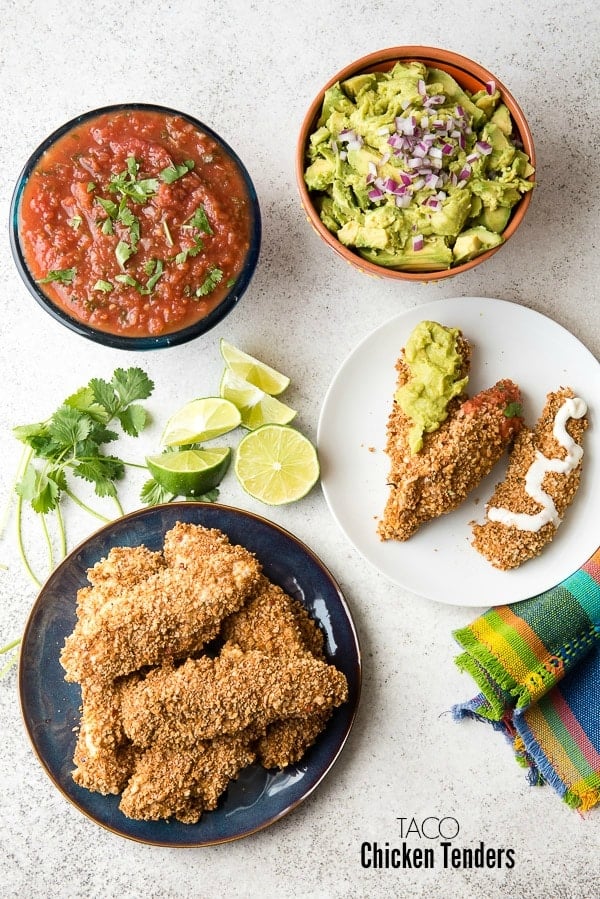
63 275
104 395
199 220
152 493
123 251
84 401
132 384
133 419
173 172
210 282
69 426
513 410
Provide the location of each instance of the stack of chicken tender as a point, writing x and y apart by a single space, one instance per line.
167 723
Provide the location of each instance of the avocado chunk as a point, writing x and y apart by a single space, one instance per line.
494 219
320 174
435 256
502 119
473 242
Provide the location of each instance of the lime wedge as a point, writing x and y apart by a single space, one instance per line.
253 370
190 472
276 464
257 408
200 420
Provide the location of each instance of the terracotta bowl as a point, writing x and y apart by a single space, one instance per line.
472 77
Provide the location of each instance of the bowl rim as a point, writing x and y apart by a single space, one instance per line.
107 338
376 60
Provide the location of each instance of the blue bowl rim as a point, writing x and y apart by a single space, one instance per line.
118 341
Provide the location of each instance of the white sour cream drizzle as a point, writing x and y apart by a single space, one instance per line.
571 408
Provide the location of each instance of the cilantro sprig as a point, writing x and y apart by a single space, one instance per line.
71 444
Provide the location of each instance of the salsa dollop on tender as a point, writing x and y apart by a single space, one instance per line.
136 222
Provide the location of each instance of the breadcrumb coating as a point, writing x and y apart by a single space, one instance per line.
205 698
275 623
505 546
171 613
182 782
454 459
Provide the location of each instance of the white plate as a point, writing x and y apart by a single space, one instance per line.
509 341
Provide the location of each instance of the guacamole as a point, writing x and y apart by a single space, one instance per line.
412 171
432 357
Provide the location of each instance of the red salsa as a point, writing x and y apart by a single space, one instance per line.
136 223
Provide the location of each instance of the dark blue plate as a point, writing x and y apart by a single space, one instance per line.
51 706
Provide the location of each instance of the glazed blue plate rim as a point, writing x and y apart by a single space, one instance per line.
50 705
122 341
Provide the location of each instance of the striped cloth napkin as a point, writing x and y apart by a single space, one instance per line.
537 664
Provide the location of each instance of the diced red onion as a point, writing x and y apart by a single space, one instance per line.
390 185
447 149
403 200
421 87
385 158
472 157
343 155
490 87
372 169
418 184
460 112
435 153
433 203
414 163
417 242
383 130
484 148
461 183
431 180
375 194
464 173
406 179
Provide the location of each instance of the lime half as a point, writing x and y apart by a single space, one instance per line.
200 420
276 464
253 370
257 408
190 472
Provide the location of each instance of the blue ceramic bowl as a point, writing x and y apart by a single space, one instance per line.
51 706
115 340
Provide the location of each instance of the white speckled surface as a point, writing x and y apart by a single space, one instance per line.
249 70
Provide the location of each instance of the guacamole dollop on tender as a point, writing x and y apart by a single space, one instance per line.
412 171
434 363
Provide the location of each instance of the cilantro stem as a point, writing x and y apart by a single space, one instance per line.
118 505
21 546
9 646
12 659
48 541
62 535
85 507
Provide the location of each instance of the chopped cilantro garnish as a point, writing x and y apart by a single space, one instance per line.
209 283
127 185
199 220
75 222
192 251
63 275
123 251
104 286
513 410
173 172
91 185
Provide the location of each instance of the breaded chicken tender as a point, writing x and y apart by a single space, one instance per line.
182 782
275 623
173 612
205 698
543 475
104 757
453 459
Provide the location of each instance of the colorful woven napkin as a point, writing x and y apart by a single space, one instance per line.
537 664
